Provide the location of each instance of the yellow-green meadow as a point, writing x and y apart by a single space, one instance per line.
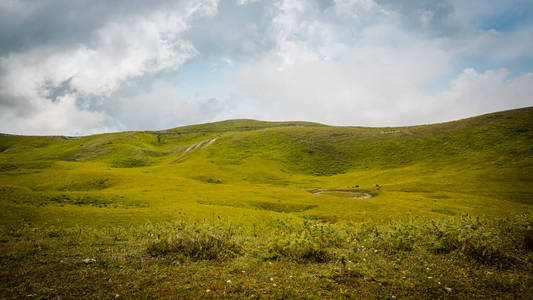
227 209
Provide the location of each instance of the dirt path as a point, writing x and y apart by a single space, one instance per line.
361 195
209 143
203 144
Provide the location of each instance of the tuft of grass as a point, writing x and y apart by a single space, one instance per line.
196 242
309 242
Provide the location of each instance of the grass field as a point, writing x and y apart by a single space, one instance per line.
225 210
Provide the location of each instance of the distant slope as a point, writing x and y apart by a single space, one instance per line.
503 139
238 125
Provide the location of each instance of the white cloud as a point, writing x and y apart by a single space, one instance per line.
244 2
500 46
358 9
319 73
349 62
474 93
61 117
161 107
354 95
121 50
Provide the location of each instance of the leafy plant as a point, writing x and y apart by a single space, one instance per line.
196 242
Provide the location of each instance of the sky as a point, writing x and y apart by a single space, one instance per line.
91 66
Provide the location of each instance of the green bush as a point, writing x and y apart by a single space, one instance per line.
298 249
489 242
399 238
196 242
308 242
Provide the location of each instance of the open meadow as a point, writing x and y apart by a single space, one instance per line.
230 209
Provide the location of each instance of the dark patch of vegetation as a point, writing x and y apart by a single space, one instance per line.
88 185
324 219
439 196
7 167
24 196
444 211
281 207
129 163
210 180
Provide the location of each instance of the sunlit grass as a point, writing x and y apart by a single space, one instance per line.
240 210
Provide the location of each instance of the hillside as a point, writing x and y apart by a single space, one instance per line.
111 194
490 155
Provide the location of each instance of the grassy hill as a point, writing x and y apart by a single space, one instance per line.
240 188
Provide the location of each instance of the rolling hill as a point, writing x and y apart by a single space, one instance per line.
488 158
254 174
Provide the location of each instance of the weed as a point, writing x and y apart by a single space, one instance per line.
308 242
196 242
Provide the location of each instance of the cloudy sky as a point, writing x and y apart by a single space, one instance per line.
90 66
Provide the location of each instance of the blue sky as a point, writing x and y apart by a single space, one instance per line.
91 66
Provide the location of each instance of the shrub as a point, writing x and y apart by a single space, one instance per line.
196 242
298 249
308 242
475 238
399 238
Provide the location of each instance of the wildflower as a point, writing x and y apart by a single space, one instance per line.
429 277
228 281
208 290
271 279
449 290
243 271
290 276
273 284
117 295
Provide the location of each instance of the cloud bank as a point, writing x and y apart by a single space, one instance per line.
96 66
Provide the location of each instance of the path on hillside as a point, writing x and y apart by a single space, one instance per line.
203 144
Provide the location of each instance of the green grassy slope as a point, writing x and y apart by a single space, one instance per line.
254 175
486 159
